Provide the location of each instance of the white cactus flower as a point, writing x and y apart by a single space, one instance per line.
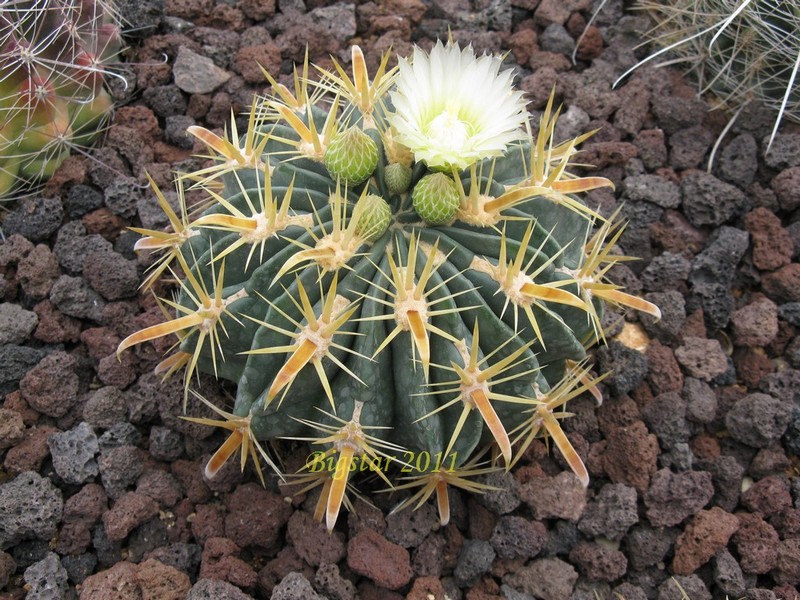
452 109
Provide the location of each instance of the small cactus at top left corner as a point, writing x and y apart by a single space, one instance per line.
54 57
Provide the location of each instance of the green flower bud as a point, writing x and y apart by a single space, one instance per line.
351 156
373 214
398 178
436 199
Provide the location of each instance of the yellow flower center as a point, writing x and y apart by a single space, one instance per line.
446 131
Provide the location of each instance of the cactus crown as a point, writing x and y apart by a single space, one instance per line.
400 323
54 55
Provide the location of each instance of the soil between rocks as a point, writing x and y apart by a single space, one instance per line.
692 454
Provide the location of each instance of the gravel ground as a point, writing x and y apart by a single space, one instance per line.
692 455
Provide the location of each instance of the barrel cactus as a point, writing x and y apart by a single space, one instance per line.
54 55
404 321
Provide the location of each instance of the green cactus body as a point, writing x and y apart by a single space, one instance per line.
54 55
412 340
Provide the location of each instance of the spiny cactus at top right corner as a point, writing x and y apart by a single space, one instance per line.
741 51
54 57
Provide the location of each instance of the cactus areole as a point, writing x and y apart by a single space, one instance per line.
396 341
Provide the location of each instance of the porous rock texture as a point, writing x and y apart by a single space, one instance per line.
692 454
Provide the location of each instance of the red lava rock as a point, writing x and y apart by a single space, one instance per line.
81 512
51 387
72 170
481 521
664 374
787 523
695 326
426 588
100 341
167 153
190 476
219 562
523 43
249 58
140 118
672 497
705 447
330 582
630 117
287 561
373 556
768 496
706 533
755 324
769 461
783 285
12 428
7 567
616 412
15 401
117 583
369 591
29 454
158 581
256 516
782 592
130 511
37 272
180 530
365 516
208 522
557 11
604 154
257 10
103 222
486 589
560 497
650 144
591 44
702 358
756 542
119 372
630 455
599 562
313 542
787 569
752 365
786 186
674 233
130 145
413 10
545 578
161 486
538 85
772 244
427 559
54 326
542 59
13 250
